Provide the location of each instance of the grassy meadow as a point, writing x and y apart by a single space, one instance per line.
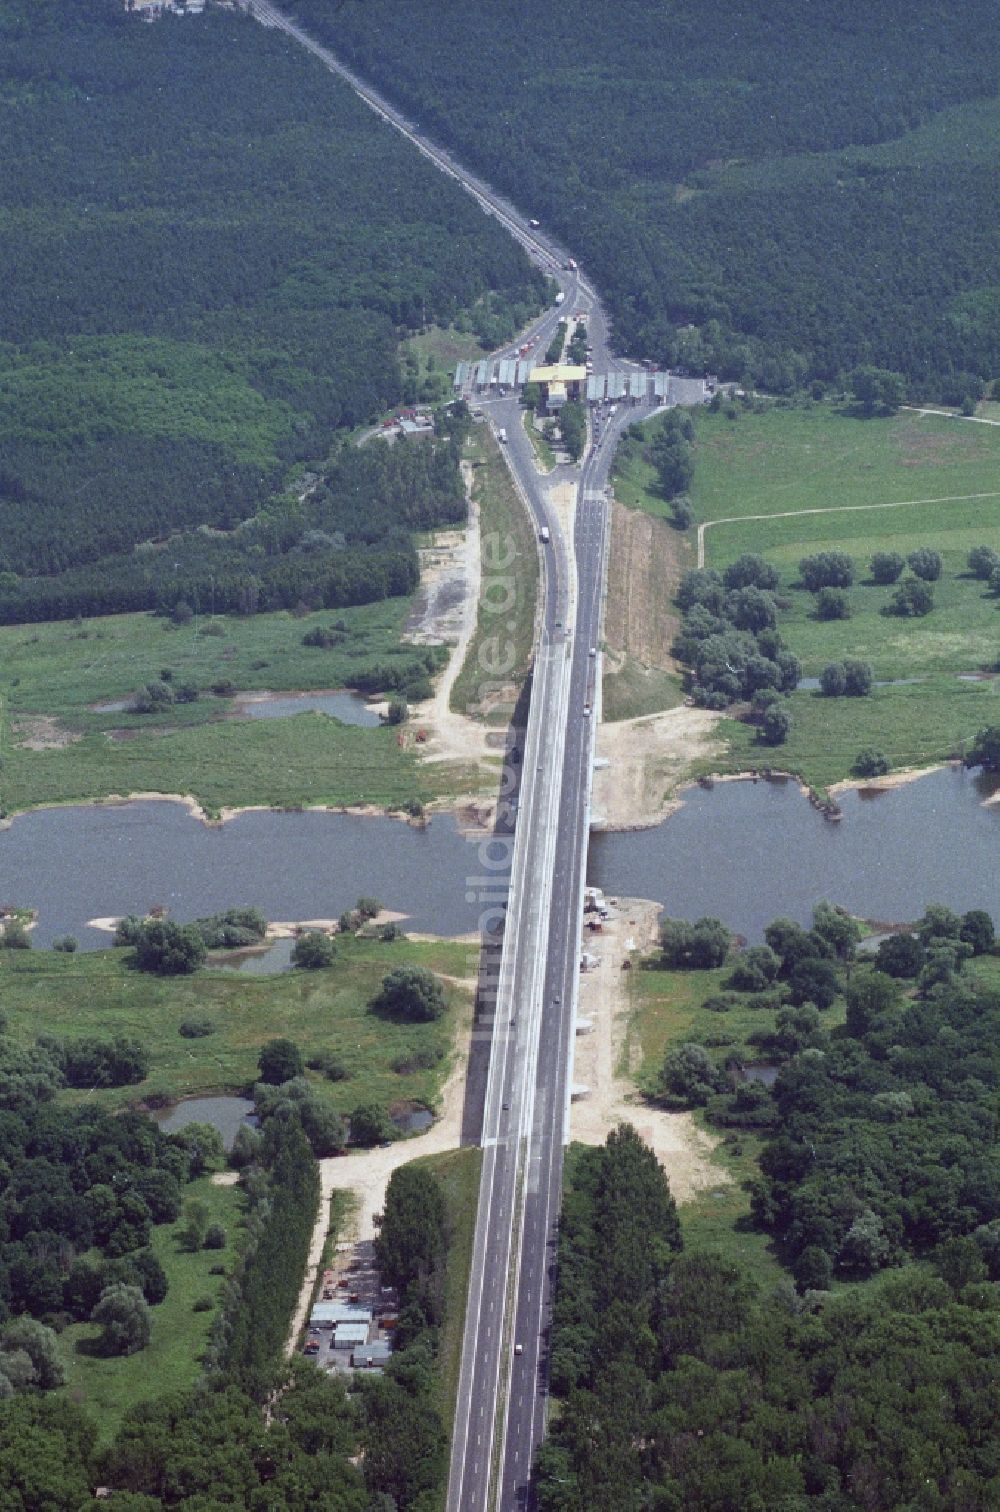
819 458
97 992
107 1387
54 674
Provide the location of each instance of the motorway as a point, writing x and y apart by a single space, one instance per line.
503 1387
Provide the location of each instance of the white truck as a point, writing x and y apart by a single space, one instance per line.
502 436
560 297
543 535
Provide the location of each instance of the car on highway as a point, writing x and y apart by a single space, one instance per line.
592 651
519 1349
586 710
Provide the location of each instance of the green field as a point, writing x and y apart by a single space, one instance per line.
635 690
501 648
96 992
54 673
171 1360
784 460
815 457
544 455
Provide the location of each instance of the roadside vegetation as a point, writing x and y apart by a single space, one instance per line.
500 652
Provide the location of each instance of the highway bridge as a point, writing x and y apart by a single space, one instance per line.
503 1390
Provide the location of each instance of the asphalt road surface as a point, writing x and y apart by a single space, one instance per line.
503 1388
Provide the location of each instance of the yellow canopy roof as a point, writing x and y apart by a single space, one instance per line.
560 372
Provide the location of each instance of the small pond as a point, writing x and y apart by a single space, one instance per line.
349 708
226 1113
748 852
270 962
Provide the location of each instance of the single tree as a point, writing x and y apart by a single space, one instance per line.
912 599
887 566
123 1315
370 1124
925 563
857 678
832 604
279 1061
775 724
410 993
871 762
833 680
313 950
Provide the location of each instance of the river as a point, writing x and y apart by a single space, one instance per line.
743 851
91 861
748 852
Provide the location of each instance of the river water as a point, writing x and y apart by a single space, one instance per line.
102 860
743 851
747 852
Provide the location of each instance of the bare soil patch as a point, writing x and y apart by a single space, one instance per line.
648 759
41 732
644 569
683 1149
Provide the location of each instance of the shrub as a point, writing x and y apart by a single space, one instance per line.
411 993
15 936
280 1060
871 763
775 725
326 1062
68 944
857 678
827 569
925 564
202 1304
195 1028
370 1124
832 604
166 948
983 562
313 950
887 566
833 680
912 599
215 1237
698 946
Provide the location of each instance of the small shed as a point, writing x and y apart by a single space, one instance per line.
350 1335
372 1356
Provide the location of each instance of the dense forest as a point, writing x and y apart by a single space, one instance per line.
82 1192
869 1378
348 541
808 187
211 251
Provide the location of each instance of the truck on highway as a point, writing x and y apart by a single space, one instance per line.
571 264
502 436
543 535
560 297
534 224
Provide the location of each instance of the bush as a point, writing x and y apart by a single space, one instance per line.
983 562
871 763
912 599
313 950
412 994
827 569
123 1315
832 604
215 1237
694 947
775 725
68 944
925 564
280 1060
195 1028
328 1064
166 948
15 936
887 566
202 1304
370 1125
833 680
750 571
857 678
689 1076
